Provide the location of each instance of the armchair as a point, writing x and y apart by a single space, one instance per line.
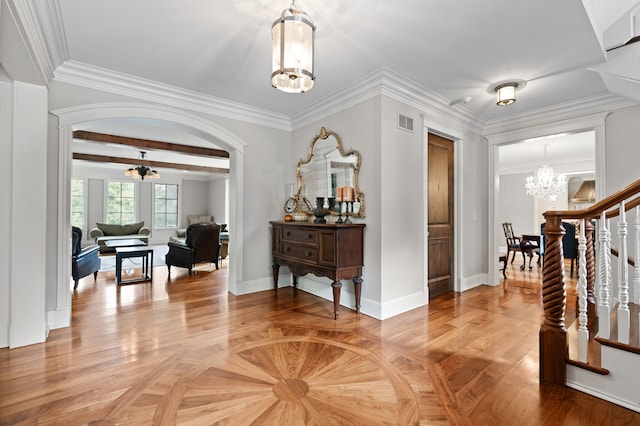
202 244
83 261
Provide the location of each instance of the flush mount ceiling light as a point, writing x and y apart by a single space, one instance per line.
142 170
293 37
506 94
506 91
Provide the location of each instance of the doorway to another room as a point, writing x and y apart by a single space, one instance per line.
569 154
440 215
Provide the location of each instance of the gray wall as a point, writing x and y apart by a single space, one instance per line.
195 200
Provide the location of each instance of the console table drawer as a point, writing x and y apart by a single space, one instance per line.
299 235
327 250
309 254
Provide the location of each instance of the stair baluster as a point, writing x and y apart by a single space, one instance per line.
623 279
583 331
604 275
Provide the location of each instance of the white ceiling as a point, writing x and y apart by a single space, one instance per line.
455 49
570 154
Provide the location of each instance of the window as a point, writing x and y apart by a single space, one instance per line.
166 205
121 202
77 203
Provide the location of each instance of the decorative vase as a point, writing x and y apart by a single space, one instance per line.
320 211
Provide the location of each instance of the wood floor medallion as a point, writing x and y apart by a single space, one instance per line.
287 380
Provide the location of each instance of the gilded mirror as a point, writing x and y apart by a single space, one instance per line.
330 171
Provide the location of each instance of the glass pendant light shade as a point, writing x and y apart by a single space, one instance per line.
293 37
506 94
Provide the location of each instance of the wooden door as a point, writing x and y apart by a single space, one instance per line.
440 227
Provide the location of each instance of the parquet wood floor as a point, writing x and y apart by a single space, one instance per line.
184 351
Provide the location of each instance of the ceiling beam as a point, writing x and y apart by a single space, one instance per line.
152 164
149 144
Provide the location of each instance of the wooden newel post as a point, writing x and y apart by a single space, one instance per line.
554 348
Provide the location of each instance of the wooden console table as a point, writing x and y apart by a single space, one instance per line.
334 251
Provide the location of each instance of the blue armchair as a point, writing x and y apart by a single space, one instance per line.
83 261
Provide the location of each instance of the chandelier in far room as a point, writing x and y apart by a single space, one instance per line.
142 170
545 184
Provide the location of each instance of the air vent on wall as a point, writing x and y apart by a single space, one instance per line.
405 123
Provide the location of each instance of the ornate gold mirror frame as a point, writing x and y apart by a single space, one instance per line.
330 171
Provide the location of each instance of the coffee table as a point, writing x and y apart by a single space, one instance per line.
145 253
129 242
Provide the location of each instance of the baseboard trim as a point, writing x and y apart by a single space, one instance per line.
59 318
261 284
473 281
605 396
4 337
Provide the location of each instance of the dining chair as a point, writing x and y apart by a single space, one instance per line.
513 242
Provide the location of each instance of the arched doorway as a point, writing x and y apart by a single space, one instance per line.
189 123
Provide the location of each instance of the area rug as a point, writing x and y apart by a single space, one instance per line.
108 262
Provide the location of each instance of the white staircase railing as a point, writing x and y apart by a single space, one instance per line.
553 334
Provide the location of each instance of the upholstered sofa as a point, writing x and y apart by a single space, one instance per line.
104 232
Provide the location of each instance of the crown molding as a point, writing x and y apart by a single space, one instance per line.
386 82
597 104
52 27
26 19
102 79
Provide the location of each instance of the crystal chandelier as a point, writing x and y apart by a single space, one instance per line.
141 171
545 183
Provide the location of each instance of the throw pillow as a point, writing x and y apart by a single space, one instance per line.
109 229
132 228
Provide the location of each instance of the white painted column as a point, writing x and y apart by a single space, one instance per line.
61 315
6 136
28 201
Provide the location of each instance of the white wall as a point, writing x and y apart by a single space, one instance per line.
364 137
392 179
622 154
473 208
403 187
6 176
516 207
194 200
28 200
218 199
622 148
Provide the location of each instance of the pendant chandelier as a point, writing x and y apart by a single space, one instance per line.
545 184
141 170
293 37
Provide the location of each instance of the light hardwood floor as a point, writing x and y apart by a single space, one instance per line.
185 351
